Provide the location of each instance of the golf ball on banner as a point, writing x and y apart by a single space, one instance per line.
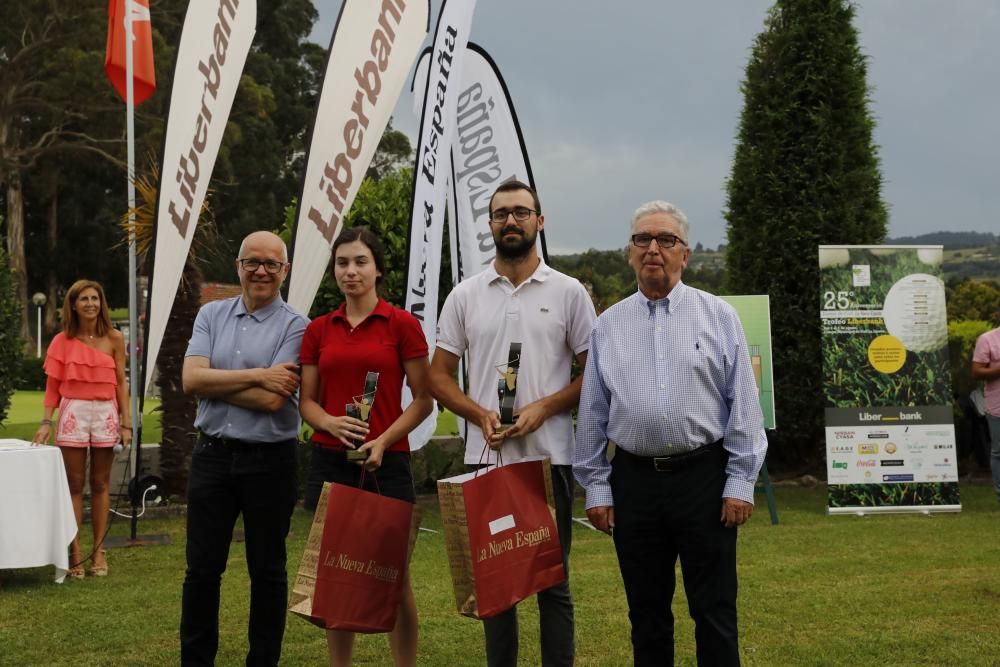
931 256
830 257
914 312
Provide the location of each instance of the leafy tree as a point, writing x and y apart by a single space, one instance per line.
974 300
805 173
10 344
49 105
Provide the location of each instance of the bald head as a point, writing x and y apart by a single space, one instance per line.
264 239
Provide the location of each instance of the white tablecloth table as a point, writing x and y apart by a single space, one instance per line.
36 512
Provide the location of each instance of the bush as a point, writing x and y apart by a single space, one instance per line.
32 375
11 346
962 335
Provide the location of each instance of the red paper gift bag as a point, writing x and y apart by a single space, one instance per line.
362 560
500 529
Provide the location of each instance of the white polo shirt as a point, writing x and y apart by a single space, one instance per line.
551 315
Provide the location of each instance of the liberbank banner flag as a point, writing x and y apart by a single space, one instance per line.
890 437
215 41
373 46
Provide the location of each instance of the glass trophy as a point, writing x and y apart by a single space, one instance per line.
507 386
361 408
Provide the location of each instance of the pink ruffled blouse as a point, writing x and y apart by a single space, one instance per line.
76 370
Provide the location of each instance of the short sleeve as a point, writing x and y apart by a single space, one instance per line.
582 316
412 343
200 343
55 357
290 348
310 341
981 355
450 329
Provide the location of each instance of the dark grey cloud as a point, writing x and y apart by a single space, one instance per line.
625 102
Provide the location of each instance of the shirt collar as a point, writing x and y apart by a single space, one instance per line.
261 313
669 302
542 271
382 309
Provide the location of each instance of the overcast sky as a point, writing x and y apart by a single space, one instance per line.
624 102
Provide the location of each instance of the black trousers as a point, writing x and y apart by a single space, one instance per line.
658 517
226 480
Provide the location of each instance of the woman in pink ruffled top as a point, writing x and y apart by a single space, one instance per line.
85 365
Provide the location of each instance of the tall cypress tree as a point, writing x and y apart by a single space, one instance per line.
805 173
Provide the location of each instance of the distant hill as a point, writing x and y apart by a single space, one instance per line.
950 240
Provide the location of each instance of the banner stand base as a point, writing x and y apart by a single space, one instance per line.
900 509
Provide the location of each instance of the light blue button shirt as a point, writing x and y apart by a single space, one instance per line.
665 377
234 339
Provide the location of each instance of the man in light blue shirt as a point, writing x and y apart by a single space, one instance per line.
669 397
242 363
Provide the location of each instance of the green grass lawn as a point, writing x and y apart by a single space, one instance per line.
26 410
814 590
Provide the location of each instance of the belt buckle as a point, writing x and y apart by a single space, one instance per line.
662 464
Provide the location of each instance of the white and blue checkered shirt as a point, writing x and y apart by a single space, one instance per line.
665 377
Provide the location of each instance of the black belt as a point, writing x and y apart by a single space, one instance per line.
674 462
241 445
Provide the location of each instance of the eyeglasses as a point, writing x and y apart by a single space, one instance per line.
662 240
270 265
520 214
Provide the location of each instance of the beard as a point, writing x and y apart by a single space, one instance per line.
517 247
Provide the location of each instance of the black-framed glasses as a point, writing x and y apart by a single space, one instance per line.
662 240
520 213
270 265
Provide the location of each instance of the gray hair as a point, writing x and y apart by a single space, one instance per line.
660 206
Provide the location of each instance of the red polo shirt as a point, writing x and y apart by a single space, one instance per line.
380 343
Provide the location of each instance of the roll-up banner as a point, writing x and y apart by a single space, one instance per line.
430 176
371 51
214 44
890 436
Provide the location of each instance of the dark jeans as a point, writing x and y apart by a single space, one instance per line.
555 605
658 517
259 481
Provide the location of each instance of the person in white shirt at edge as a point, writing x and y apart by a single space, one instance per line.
669 398
519 298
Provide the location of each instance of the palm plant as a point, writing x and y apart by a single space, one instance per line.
177 408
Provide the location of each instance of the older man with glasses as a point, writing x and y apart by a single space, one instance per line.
669 443
242 364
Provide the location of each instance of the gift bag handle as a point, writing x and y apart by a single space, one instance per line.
361 480
485 454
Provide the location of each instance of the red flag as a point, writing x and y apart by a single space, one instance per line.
143 72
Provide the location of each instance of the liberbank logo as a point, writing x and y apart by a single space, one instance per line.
897 478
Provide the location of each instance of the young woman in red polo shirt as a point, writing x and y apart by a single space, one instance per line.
338 350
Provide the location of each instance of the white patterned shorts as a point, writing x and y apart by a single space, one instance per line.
87 423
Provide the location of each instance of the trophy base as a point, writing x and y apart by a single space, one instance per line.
502 428
355 455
